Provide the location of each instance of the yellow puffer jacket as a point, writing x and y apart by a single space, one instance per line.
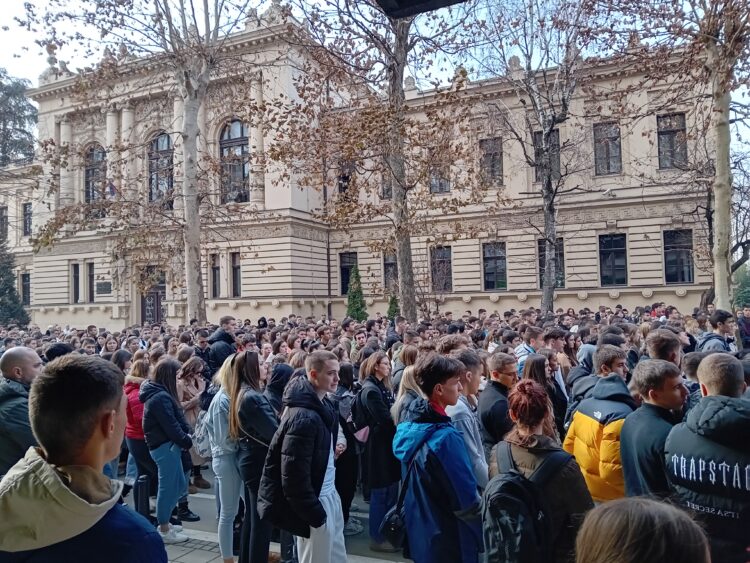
594 437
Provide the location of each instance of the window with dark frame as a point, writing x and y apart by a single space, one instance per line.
438 175
344 178
26 289
672 140
4 222
161 170
235 162
678 256
495 266
386 187
607 149
441 269
91 279
95 174
492 160
75 282
236 274
390 272
215 276
347 260
559 254
554 155
613 260
27 219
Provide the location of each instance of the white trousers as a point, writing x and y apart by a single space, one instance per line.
325 544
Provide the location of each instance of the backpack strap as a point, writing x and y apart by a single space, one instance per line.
552 462
505 463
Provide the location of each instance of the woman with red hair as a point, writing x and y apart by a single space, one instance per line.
565 493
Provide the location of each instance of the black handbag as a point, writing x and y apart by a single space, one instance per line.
393 526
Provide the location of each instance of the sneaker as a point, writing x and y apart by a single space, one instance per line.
174 521
187 515
172 537
383 547
201 483
353 528
177 528
357 521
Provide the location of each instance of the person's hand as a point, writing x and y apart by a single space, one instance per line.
340 449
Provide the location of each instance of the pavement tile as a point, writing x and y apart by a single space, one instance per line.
177 550
197 556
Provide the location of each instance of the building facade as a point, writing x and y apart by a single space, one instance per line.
627 234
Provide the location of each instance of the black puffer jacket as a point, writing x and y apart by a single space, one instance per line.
376 402
258 423
222 346
297 461
708 465
274 392
163 420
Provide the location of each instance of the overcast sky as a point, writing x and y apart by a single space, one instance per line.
18 53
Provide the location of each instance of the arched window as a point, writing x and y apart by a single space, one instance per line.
95 175
161 169
235 162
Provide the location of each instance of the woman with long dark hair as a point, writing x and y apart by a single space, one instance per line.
252 422
167 434
537 368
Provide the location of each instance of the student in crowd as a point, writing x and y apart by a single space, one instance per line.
464 413
663 344
383 471
222 343
190 387
594 433
723 325
493 401
408 392
441 504
541 368
707 457
640 530
167 434
662 390
19 367
565 492
252 423
56 503
532 341
297 489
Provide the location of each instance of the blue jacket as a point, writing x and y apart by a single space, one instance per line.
441 506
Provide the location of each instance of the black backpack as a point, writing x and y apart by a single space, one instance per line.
515 517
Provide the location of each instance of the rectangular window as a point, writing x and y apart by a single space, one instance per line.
347 260
495 266
27 219
439 179
554 148
75 282
26 289
91 280
441 269
215 276
390 272
672 137
613 260
492 160
678 256
346 170
607 150
386 187
559 254
4 222
236 274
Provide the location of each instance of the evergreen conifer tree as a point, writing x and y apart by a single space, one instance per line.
393 308
11 308
355 300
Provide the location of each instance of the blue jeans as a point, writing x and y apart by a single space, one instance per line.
230 487
168 458
131 471
381 501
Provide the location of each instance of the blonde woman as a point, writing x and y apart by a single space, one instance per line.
408 392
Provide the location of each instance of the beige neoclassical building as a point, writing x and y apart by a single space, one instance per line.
628 236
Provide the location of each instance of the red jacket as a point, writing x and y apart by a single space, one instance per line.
134 426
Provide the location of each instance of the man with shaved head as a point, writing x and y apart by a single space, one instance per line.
19 367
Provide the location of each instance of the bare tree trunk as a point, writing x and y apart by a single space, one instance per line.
395 156
722 186
196 301
549 280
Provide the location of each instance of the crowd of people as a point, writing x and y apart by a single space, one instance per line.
506 437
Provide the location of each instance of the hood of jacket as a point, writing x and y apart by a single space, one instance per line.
150 389
420 422
43 505
709 336
132 383
280 376
11 389
613 388
221 335
299 392
724 420
585 356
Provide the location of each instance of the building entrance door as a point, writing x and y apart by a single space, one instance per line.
153 307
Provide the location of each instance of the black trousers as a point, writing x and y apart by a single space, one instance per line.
256 533
347 473
144 463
